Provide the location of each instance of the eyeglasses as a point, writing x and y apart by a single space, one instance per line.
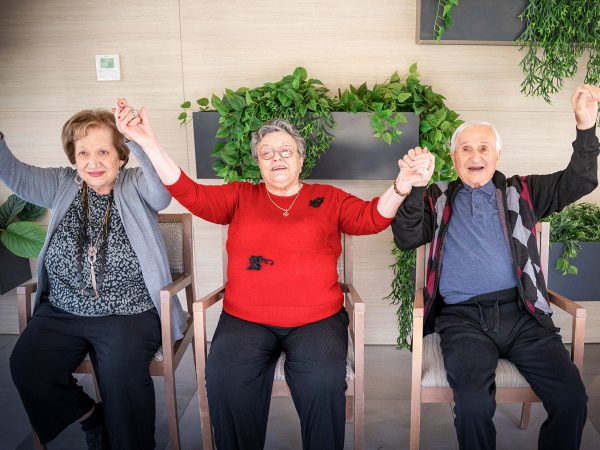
267 152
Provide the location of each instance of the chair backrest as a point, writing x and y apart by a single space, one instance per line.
543 244
176 231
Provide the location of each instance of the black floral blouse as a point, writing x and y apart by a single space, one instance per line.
121 287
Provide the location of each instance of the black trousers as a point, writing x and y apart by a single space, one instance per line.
474 335
239 380
121 349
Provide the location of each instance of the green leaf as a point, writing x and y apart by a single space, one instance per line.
24 239
10 210
182 117
300 73
31 212
186 104
202 101
248 98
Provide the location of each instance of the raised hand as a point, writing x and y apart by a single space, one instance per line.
585 105
416 169
133 124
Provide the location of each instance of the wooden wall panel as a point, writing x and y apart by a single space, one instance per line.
179 49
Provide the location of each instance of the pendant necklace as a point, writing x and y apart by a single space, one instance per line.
94 246
286 211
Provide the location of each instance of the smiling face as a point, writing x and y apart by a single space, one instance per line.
280 174
97 160
476 156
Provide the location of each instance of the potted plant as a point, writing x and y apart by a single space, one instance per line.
575 250
20 239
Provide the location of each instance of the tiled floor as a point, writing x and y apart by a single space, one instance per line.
386 415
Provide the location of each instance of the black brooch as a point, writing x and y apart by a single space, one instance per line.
316 202
255 262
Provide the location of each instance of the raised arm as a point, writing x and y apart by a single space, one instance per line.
551 193
136 127
34 184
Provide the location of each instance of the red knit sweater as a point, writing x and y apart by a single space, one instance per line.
296 281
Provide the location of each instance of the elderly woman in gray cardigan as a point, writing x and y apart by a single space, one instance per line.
99 276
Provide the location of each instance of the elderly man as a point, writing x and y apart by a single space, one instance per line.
486 295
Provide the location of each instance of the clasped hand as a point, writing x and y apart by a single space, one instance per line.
416 169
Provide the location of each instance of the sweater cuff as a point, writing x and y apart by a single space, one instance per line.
586 139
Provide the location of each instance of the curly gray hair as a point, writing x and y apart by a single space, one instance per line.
273 126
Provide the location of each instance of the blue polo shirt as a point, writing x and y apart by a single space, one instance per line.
476 259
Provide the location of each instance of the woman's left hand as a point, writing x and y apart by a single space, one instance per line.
134 124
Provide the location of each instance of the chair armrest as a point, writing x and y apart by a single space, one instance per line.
578 328
24 303
203 303
353 301
567 305
419 304
176 285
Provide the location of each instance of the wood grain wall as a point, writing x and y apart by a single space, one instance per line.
185 49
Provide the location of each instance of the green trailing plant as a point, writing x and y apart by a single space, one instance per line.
557 34
574 224
18 233
304 102
443 17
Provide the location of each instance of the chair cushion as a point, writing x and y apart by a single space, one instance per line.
434 373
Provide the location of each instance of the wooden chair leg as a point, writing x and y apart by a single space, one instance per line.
525 414
415 421
36 441
349 408
171 404
359 424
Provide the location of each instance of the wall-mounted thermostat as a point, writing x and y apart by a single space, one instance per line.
108 67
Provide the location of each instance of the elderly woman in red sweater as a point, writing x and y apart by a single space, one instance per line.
282 291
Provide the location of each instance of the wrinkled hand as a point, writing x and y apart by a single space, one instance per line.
416 169
585 105
133 124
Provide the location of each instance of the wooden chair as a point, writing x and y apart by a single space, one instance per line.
176 230
429 383
355 395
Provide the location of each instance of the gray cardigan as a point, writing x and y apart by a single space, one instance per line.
139 195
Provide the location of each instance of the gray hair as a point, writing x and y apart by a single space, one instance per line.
474 123
273 126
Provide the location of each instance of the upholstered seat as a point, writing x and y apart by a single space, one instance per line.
434 373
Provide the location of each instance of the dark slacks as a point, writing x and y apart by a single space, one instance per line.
239 380
121 349
473 336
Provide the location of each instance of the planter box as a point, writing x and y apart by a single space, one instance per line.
14 270
354 154
493 22
585 285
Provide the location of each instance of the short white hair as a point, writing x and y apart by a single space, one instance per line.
474 123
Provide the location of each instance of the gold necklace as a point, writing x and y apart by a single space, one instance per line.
286 211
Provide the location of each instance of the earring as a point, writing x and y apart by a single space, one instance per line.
78 181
